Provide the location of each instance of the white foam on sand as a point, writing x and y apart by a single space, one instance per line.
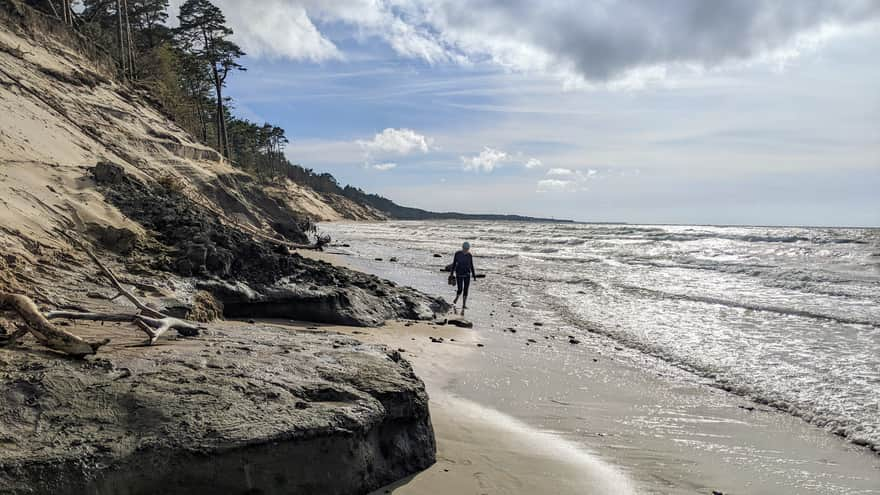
577 470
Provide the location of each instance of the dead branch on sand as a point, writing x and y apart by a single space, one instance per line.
44 331
152 322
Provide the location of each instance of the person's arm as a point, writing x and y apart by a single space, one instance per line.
473 272
454 263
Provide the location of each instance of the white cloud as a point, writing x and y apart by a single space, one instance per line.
274 29
569 181
397 141
554 185
486 161
384 167
534 163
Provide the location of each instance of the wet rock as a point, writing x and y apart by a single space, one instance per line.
461 323
481 345
573 341
392 260
360 416
437 340
538 324
438 255
516 304
532 341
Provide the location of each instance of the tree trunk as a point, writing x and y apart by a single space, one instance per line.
120 38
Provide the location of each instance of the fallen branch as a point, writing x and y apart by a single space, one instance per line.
153 327
44 331
152 322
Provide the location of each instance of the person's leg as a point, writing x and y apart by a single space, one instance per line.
459 282
467 285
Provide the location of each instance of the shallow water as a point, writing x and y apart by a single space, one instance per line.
786 316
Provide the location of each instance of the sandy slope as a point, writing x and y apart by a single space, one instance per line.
61 113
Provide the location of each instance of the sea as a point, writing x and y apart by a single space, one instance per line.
788 317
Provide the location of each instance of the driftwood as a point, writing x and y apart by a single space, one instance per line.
152 322
44 331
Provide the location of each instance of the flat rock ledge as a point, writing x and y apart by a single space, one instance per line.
241 409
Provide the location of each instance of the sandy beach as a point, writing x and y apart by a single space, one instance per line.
528 412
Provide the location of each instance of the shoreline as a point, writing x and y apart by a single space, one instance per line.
670 431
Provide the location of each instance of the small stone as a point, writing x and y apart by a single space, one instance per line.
378 259
516 304
533 341
437 340
539 324
480 345
574 341
301 405
392 260
438 255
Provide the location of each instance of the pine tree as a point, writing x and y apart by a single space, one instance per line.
203 33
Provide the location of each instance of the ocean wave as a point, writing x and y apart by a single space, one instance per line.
749 306
839 423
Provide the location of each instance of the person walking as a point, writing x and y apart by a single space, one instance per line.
463 268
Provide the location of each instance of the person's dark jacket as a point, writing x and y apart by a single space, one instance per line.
463 265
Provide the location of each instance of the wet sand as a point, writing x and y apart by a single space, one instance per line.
517 416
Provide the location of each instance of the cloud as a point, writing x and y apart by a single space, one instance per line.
397 141
384 167
613 41
569 181
274 29
534 163
554 185
486 161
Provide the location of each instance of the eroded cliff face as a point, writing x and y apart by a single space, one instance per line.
240 408
255 409
62 112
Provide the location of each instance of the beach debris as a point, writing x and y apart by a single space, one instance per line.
392 260
516 304
152 322
481 345
538 324
437 340
437 255
461 323
510 329
378 259
573 341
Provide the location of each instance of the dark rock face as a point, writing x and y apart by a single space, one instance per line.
236 410
250 276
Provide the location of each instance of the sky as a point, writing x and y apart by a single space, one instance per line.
643 111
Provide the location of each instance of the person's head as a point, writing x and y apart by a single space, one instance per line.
466 247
